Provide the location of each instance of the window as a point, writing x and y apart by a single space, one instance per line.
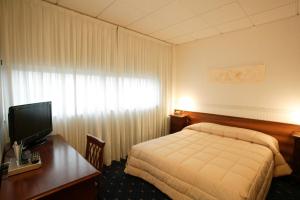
76 94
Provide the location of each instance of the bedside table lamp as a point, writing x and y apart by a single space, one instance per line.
178 112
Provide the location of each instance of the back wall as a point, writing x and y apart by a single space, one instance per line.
276 98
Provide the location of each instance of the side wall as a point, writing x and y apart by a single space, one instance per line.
277 97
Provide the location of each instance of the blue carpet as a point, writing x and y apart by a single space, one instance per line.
118 185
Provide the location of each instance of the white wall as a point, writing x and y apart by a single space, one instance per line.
277 45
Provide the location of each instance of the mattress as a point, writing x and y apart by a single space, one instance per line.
208 161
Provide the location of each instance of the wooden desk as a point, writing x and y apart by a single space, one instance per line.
64 174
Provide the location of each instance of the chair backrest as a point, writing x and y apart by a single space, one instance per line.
94 151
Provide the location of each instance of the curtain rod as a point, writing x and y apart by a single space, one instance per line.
81 13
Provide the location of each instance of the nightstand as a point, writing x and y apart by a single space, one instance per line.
296 155
178 122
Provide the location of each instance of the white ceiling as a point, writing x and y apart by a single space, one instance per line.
179 21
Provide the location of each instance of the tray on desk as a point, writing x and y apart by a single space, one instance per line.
17 169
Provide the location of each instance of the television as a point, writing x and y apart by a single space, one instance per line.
30 123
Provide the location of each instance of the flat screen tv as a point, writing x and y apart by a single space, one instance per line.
30 123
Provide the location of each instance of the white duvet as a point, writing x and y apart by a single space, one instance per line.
209 161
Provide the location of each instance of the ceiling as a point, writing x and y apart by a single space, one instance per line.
180 21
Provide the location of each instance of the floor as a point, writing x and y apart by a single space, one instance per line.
118 185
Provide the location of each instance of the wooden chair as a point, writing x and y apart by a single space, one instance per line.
94 152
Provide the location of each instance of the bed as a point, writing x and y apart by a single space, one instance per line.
208 160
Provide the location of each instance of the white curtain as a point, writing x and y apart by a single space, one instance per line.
2 136
101 79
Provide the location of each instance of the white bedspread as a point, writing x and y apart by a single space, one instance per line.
192 164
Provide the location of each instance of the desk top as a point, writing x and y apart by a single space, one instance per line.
62 166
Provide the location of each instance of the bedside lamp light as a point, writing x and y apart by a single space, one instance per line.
295 116
185 103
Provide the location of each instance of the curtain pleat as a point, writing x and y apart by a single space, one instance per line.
103 80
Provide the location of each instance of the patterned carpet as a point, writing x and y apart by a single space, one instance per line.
118 185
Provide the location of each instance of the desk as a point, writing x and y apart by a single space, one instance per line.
64 174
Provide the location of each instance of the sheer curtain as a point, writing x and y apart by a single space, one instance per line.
2 137
101 79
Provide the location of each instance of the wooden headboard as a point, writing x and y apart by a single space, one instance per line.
281 131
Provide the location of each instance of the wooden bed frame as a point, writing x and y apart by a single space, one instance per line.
285 133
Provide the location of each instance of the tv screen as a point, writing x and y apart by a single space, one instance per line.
30 123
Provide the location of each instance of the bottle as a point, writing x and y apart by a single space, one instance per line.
16 148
